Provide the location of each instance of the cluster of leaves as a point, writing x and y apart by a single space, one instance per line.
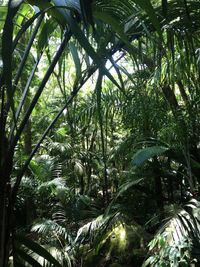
87 171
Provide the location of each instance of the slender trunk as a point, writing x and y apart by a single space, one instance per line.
171 98
28 138
183 93
4 192
106 194
5 217
27 129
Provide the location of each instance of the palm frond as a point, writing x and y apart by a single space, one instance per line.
53 185
51 229
34 248
179 236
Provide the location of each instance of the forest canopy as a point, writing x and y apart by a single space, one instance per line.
99 133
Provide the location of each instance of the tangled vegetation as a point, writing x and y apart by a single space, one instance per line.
99 133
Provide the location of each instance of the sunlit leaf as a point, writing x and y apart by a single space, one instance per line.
147 153
35 247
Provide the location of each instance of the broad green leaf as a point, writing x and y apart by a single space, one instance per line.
107 18
69 5
146 153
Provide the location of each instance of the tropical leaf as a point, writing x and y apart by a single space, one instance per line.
47 29
7 42
147 6
147 153
51 228
178 236
24 27
96 228
78 33
86 12
36 248
27 258
53 185
123 188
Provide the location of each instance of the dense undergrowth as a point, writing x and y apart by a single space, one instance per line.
99 133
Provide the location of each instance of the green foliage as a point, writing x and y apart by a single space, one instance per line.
177 254
147 153
36 248
50 229
90 175
110 236
177 243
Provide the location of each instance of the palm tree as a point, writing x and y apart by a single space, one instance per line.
162 43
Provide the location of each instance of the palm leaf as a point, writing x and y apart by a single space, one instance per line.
36 248
180 232
47 29
50 228
86 11
7 42
27 258
83 41
147 153
147 6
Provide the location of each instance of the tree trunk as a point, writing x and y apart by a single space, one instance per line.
5 221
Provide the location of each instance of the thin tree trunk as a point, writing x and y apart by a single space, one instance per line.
5 217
